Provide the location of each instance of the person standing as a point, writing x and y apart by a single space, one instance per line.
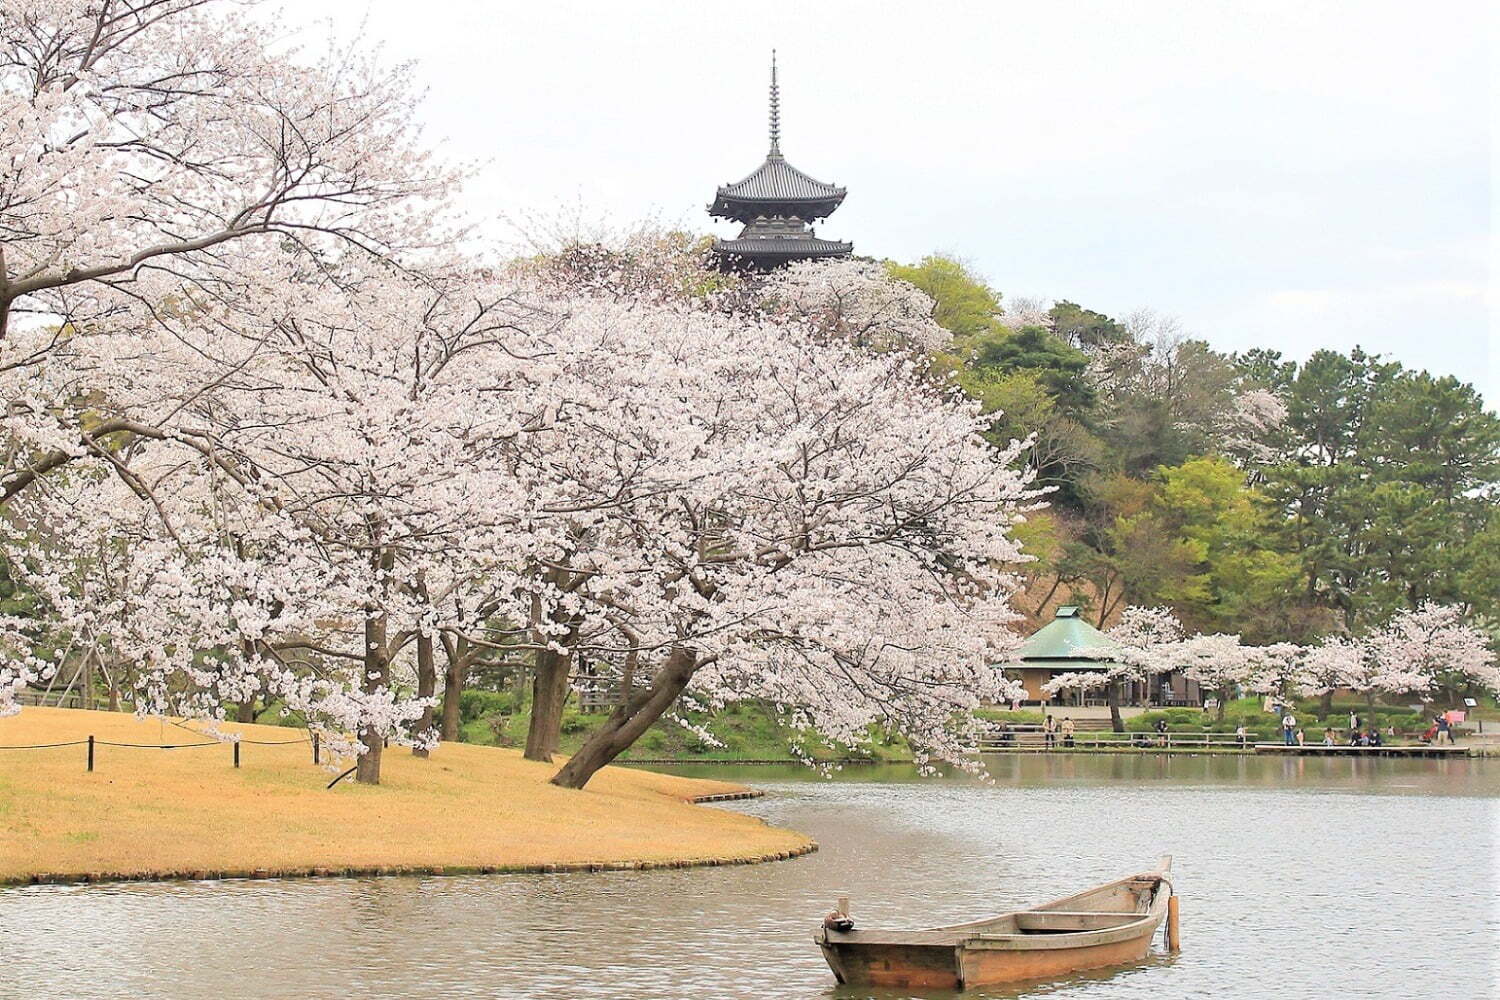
1049 731
1067 731
1240 734
1289 729
1353 720
1444 730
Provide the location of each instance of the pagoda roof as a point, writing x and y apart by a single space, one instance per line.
779 182
1069 640
789 246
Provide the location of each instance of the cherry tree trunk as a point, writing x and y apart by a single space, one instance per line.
377 668
630 720
1116 722
453 689
426 685
549 691
245 711
1325 706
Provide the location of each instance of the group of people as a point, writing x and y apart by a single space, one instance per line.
1051 727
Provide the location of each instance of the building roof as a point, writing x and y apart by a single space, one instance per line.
791 246
778 181
1069 641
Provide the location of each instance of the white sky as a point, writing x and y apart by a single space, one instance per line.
1291 175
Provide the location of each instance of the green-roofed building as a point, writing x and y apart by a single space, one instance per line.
1068 644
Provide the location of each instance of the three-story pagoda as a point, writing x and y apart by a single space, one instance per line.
777 204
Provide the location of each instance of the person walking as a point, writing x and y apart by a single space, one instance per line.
1289 729
1067 731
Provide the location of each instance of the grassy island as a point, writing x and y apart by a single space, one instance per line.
188 813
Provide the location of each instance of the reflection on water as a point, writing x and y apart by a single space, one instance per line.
1311 877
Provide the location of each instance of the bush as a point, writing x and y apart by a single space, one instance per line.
1005 715
1179 720
476 705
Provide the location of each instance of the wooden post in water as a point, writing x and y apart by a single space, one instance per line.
1174 927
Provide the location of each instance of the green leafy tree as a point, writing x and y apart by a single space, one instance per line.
964 304
1387 480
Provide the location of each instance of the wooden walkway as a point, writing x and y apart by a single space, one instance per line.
1320 750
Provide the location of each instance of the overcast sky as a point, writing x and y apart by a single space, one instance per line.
1289 175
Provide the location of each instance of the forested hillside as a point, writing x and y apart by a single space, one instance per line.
1252 494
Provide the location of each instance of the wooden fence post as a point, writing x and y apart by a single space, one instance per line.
315 748
236 753
91 752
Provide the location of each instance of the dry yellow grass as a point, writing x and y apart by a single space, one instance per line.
186 812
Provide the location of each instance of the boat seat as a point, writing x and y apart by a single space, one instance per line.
1068 921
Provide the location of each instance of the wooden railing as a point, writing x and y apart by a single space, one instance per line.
1031 737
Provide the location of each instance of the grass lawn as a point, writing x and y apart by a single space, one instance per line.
189 812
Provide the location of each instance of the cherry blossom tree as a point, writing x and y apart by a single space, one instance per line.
1431 648
1275 669
857 300
771 514
1336 663
162 156
1218 663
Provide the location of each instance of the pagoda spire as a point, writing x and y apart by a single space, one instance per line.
775 110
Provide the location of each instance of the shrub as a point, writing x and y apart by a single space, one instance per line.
476 705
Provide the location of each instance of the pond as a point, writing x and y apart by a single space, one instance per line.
1306 877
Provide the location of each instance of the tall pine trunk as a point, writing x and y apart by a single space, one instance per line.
630 720
426 685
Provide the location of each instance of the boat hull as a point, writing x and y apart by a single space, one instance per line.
958 967
1107 926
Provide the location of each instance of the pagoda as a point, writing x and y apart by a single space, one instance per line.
777 204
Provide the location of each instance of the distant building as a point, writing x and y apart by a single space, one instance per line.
1068 644
777 204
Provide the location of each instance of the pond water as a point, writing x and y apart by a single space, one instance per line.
1307 877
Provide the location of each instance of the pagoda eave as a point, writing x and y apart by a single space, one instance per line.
745 210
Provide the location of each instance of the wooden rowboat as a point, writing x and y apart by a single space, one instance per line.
1110 924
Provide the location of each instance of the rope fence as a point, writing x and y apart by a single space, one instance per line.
93 742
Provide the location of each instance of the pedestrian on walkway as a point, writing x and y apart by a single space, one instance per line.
1049 731
1444 730
1067 731
1289 728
